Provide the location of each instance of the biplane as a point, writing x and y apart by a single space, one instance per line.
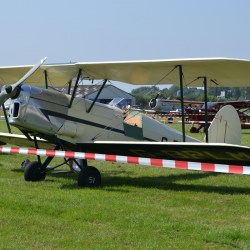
48 118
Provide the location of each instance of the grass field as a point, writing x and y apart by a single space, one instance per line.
136 208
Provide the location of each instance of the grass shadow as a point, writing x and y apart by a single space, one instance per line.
169 183
16 170
112 180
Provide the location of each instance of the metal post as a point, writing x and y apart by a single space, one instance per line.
206 113
182 104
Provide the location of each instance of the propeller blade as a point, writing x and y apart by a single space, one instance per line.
157 95
28 74
10 90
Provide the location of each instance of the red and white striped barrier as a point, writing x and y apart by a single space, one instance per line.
210 167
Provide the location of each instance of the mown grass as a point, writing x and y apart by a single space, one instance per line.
136 208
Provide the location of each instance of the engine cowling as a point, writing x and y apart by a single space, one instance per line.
152 103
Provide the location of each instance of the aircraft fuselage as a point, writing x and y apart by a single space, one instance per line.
48 113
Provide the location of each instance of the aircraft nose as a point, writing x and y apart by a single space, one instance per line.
152 103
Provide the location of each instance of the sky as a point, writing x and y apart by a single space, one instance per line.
117 30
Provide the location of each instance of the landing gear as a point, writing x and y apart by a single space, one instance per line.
89 177
36 170
33 172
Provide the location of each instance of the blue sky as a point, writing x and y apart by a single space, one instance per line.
105 30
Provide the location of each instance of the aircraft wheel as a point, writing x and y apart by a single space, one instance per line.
32 172
89 177
194 130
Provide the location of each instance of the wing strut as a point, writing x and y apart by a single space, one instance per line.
75 87
6 119
46 78
205 103
69 88
182 103
99 92
206 113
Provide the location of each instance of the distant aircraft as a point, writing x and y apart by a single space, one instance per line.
195 111
51 119
165 106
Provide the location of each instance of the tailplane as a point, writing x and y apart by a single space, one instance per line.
225 127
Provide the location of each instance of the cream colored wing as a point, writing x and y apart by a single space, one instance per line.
22 141
223 71
57 75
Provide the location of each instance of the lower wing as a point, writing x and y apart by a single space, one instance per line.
23 141
218 153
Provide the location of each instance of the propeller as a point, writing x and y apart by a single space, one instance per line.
9 91
153 102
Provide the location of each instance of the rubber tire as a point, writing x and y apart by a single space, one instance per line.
32 172
194 130
89 177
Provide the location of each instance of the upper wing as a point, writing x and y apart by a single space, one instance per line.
223 71
236 104
57 75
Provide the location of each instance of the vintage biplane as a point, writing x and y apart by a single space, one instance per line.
195 111
48 118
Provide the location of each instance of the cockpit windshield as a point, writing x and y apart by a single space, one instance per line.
120 103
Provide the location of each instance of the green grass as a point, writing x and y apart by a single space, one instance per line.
137 207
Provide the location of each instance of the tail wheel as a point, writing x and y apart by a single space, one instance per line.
89 177
194 130
33 172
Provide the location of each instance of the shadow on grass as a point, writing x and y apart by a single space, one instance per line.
17 170
112 183
169 183
247 132
112 180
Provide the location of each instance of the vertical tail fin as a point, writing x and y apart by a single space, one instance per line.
225 127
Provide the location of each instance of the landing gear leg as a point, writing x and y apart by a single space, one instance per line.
88 176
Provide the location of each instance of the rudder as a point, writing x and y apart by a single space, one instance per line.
225 127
